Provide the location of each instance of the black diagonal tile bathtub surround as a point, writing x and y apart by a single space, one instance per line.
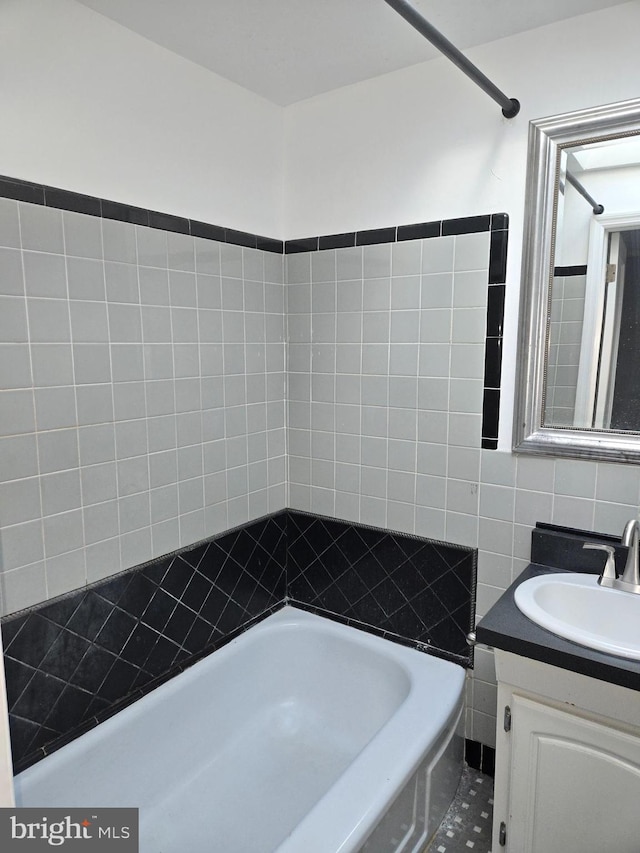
411 588
74 661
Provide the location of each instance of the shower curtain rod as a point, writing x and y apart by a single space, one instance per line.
510 106
575 183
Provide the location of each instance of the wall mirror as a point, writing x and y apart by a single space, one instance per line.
578 374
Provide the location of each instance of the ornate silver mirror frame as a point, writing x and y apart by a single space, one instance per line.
547 137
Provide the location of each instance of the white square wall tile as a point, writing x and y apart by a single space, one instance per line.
575 477
437 254
45 275
41 228
472 251
82 235
11 272
9 223
20 501
15 366
22 544
62 533
119 241
16 412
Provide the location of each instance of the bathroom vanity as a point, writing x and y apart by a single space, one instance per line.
568 738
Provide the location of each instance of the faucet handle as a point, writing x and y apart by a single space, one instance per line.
609 573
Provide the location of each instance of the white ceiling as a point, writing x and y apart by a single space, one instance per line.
289 50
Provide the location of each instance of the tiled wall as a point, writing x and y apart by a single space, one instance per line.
387 387
393 402
143 377
565 333
386 360
406 587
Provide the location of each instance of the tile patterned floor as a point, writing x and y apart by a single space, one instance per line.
467 824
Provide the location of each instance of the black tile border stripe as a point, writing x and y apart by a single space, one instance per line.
493 222
578 269
494 330
46 196
28 191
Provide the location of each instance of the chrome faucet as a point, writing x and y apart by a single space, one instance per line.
629 581
630 538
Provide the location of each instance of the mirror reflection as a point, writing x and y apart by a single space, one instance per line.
592 375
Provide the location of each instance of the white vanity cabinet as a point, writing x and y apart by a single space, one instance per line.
567 761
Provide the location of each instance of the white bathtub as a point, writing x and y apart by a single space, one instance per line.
300 736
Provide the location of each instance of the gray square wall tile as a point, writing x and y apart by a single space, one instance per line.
119 241
41 228
82 235
472 251
9 223
11 274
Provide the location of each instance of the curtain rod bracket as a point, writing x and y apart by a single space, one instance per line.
575 183
510 106
513 110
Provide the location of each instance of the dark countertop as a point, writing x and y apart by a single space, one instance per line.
505 627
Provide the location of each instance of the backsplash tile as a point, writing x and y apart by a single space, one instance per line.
411 588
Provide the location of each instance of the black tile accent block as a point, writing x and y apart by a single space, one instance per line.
499 221
240 238
267 244
498 257
489 443
375 235
466 225
490 413
419 590
306 244
488 765
419 231
72 201
208 232
495 310
561 548
473 753
21 190
480 757
492 362
97 649
167 222
337 241
125 212
578 269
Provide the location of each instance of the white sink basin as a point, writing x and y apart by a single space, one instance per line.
575 607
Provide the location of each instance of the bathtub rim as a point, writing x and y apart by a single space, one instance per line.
355 800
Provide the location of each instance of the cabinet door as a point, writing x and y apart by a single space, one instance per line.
574 783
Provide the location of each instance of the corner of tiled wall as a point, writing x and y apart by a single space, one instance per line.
386 353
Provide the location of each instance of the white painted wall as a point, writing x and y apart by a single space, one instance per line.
89 106
424 143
